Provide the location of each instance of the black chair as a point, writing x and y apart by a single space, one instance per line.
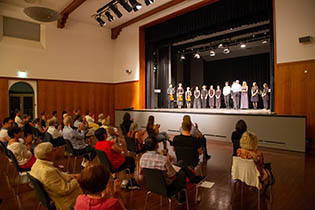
47 137
41 194
156 183
72 151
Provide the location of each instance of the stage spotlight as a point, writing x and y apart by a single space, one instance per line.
197 56
212 53
100 21
115 10
182 57
125 5
135 5
109 16
220 46
226 51
148 2
243 45
264 42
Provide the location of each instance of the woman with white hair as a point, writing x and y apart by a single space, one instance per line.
62 188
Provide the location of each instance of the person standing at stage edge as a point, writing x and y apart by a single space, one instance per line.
227 95
236 89
171 93
204 96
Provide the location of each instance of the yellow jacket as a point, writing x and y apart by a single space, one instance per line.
61 187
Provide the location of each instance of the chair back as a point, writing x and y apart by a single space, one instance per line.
41 193
155 181
47 137
12 157
131 146
4 148
246 171
189 155
104 159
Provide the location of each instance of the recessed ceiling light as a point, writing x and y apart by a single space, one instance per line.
212 53
220 45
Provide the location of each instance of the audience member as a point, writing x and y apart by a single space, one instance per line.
154 160
56 134
61 187
137 136
100 119
18 120
116 159
93 181
21 152
76 137
7 124
43 120
111 131
185 140
153 131
125 125
54 117
196 133
240 128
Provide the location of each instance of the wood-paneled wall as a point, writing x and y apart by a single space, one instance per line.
64 95
127 95
295 91
4 99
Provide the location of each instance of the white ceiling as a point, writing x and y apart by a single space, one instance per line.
87 9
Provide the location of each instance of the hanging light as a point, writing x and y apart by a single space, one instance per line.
197 56
212 53
135 5
182 57
109 16
243 45
220 45
115 10
226 51
100 21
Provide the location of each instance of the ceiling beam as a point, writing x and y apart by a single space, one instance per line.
64 14
116 30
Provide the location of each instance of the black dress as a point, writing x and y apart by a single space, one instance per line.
236 137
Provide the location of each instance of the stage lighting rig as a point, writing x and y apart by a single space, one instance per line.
109 16
125 5
148 2
226 51
115 10
212 53
135 5
100 20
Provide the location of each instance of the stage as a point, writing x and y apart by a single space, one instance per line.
273 131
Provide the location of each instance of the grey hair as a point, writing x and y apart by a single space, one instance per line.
42 149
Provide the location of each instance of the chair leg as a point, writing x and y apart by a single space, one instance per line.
169 204
161 202
186 194
242 191
68 162
39 205
197 196
74 164
146 199
258 200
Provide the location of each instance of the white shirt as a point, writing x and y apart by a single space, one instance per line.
18 121
4 137
89 119
236 88
20 152
226 90
54 132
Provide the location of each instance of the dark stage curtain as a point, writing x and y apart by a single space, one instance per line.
222 15
253 68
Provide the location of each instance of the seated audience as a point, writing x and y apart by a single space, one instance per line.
100 119
125 125
248 150
18 120
137 136
61 187
39 129
240 128
154 160
196 133
153 130
56 134
93 181
22 152
7 124
76 137
111 131
78 120
54 117
90 120
43 120
113 152
185 140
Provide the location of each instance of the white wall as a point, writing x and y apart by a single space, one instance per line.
79 52
294 19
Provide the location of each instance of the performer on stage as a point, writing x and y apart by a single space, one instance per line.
204 96
171 93
197 102
218 97
254 98
265 96
227 95
244 96
211 96
188 95
236 89
179 94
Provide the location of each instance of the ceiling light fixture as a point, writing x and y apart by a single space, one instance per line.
125 5
197 56
148 2
212 53
100 21
243 45
220 45
109 16
264 42
115 10
135 5
182 57
226 51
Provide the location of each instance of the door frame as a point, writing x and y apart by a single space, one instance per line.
33 84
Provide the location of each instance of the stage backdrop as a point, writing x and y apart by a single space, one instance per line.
253 68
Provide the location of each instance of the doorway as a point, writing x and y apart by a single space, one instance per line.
21 97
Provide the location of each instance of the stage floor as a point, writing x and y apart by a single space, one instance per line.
213 111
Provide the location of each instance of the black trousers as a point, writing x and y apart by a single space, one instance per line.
227 101
129 163
88 152
203 141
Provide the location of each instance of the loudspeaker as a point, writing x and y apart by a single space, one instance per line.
305 39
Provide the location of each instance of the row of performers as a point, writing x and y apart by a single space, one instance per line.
239 94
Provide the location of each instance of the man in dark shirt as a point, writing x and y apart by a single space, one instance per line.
186 147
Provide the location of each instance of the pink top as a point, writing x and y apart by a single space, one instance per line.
85 203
